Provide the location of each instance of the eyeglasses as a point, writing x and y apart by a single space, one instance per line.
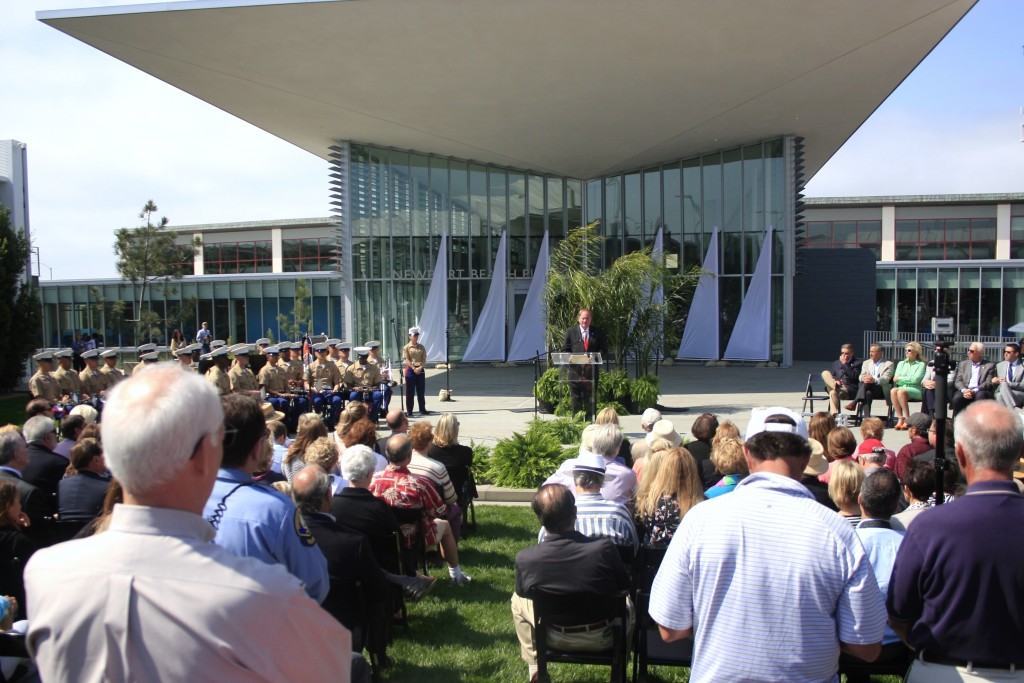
910 351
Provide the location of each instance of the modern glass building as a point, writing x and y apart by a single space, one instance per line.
474 120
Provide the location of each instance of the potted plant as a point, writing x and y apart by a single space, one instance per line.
549 390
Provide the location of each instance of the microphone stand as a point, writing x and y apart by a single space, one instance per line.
401 377
536 378
447 365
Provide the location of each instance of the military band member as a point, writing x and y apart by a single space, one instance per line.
414 358
332 349
94 383
258 359
292 367
144 351
363 380
217 375
385 372
323 379
67 378
184 356
242 379
42 384
342 360
274 379
110 371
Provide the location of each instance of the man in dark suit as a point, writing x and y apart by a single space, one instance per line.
583 338
80 498
13 460
1009 379
973 379
45 468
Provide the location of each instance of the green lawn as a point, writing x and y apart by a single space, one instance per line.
12 409
465 634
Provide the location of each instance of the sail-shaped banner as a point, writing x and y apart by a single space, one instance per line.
751 337
700 336
434 319
488 340
528 338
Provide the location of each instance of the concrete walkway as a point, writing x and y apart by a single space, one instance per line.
492 403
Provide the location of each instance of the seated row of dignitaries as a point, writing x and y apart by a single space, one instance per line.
769 567
566 562
255 520
958 582
154 599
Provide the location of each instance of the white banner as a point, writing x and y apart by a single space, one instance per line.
488 340
528 338
700 336
751 337
434 319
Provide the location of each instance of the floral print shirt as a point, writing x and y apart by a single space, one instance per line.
658 529
399 488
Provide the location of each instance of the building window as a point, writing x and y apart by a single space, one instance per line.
845 235
950 239
308 254
237 257
1017 237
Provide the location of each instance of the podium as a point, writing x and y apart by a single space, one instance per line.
580 372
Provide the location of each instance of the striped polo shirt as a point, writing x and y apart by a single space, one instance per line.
600 518
771 582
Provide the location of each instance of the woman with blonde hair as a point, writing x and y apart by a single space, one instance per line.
354 411
455 457
672 489
906 383
844 489
657 445
311 428
727 429
731 463
324 453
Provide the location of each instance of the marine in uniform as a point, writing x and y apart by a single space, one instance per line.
332 349
146 352
217 375
342 360
385 372
42 384
323 379
67 378
291 363
111 373
414 358
184 356
363 380
274 379
94 383
242 379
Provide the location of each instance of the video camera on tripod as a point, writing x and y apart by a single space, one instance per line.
943 331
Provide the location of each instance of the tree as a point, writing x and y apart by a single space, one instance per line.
301 322
20 316
147 254
623 297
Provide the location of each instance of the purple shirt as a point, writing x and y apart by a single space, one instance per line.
64 448
959 577
619 481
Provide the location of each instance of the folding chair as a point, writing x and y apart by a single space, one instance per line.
650 648
415 557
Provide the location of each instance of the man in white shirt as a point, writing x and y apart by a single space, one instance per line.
151 598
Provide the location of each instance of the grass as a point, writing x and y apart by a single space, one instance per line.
12 408
464 634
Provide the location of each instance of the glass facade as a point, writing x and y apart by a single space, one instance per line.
844 235
739 191
1017 235
401 202
237 309
984 300
948 239
230 258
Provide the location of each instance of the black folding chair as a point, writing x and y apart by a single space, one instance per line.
650 648
569 610
415 557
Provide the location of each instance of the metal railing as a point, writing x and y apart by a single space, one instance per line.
893 345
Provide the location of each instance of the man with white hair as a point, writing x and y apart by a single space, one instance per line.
45 468
619 480
956 587
152 599
34 503
361 510
769 567
973 379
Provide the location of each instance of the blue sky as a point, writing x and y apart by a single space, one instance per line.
103 138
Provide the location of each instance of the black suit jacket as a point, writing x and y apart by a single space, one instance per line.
358 509
355 575
573 342
35 504
45 468
81 497
572 563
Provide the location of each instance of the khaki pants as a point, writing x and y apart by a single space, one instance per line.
597 640
926 672
836 391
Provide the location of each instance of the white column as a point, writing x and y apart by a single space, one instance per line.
276 251
889 233
1002 231
197 262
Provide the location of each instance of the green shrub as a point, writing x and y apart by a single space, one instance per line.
618 407
524 461
565 429
643 392
612 386
481 462
550 388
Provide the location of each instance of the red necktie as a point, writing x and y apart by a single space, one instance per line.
586 341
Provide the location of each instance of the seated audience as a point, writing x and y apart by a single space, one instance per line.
34 502
311 428
872 460
668 492
647 421
844 489
279 439
817 466
703 431
595 516
45 468
421 435
656 446
38 406
70 430
15 546
324 453
921 446
187 608
567 562
456 458
80 497
872 429
730 467
842 445
619 480
88 413
818 428
358 509
919 490
399 488
608 415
